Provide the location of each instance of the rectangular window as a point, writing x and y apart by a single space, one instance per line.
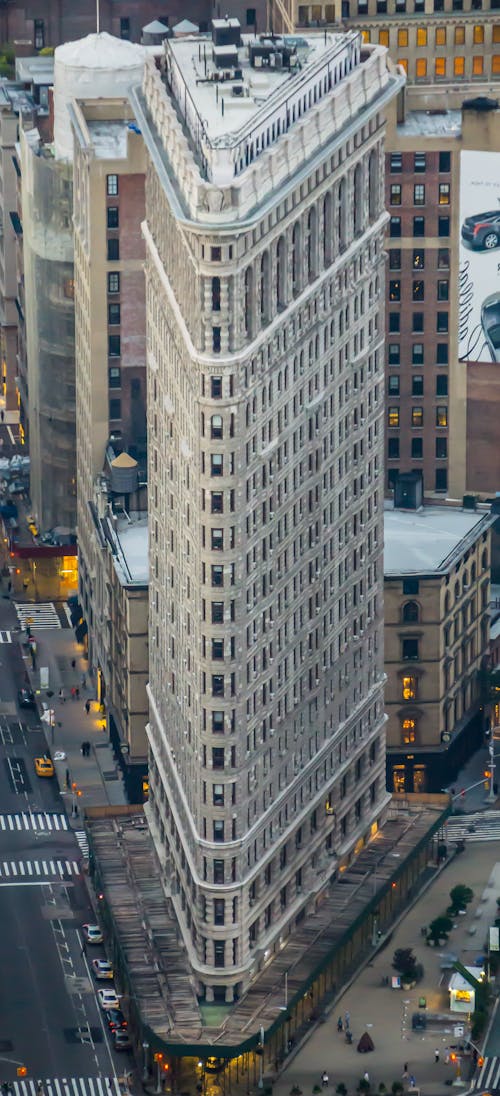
417 354
417 384
418 321
113 250
443 226
417 448
419 194
442 322
443 289
478 35
217 575
112 217
417 417
393 417
217 612
218 722
216 339
113 282
402 38
418 258
440 36
395 198
477 66
395 291
443 259
395 227
440 67
418 290
495 64
39 34
219 836
393 385
383 38
217 502
409 688
216 464
217 685
444 194
217 540
394 353
113 314
217 757
216 388
459 66
215 254
219 903
395 258
444 162
441 384
441 448
112 185
421 68
421 36
396 163
218 871
125 27
217 650
419 226
411 586
442 354
410 650
441 416
441 479
460 35
420 162
114 376
114 346
393 448
394 322
392 478
115 409
251 17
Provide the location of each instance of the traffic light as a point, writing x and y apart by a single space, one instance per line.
453 1056
22 1071
480 1061
158 1057
487 772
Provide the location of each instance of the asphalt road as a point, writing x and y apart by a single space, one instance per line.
50 1021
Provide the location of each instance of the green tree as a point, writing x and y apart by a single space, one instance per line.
405 962
440 927
461 896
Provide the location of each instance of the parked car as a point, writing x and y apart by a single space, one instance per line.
26 698
92 934
482 230
121 1039
490 320
102 970
44 766
108 999
115 1019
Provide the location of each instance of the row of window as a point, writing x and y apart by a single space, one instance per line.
416 417
441 69
417 355
418 227
440 478
418 162
417 448
419 194
418 258
418 290
419 6
417 385
418 322
423 38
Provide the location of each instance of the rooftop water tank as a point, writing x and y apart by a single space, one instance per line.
96 67
124 474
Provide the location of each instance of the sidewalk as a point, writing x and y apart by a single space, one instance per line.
386 1014
98 776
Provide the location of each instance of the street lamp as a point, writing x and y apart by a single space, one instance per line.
491 750
145 1047
261 1063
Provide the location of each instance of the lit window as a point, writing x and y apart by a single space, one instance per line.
402 37
394 290
495 64
393 416
477 66
459 36
404 63
383 37
496 32
440 36
459 66
418 290
421 36
440 66
418 258
417 417
409 727
478 35
409 688
395 194
441 416
421 68
365 34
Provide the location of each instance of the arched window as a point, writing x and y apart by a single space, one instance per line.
358 212
473 574
264 288
465 582
447 602
411 612
296 279
373 186
311 245
327 230
484 560
280 273
249 302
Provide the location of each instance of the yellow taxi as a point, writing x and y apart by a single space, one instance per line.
44 766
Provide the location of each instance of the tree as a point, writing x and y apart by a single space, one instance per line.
460 896
364 1085
341 1089
439 928
397 1088
405 962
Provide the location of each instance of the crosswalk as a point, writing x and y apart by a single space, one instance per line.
5 637
82 839
474 827
37 821
67 1086
40 615
488 1076
37 869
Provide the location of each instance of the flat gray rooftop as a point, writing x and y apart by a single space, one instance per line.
422 541
424 123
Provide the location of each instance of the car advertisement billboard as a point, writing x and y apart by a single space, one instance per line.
479 288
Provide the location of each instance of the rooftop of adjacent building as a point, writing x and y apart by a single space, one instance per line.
35 70
431 123
426 541
127 535
109 138
14 97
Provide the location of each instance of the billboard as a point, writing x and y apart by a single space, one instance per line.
479 286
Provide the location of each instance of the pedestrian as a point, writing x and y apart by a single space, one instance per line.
87 706
73 663
9 586
366 1077
405 1071
339 1024
413 1083
82 749
84 681
62 697
436 1055
446 1056
2 415
77 692
67 778
347 1018
73 692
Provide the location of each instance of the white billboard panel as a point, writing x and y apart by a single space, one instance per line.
479 287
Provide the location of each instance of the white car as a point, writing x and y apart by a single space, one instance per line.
93 934
108 998
102 969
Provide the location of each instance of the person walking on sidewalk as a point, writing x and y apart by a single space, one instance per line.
62 697
87 706
84 681
436 1055
73 692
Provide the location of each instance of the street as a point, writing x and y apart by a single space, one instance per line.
50 1020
